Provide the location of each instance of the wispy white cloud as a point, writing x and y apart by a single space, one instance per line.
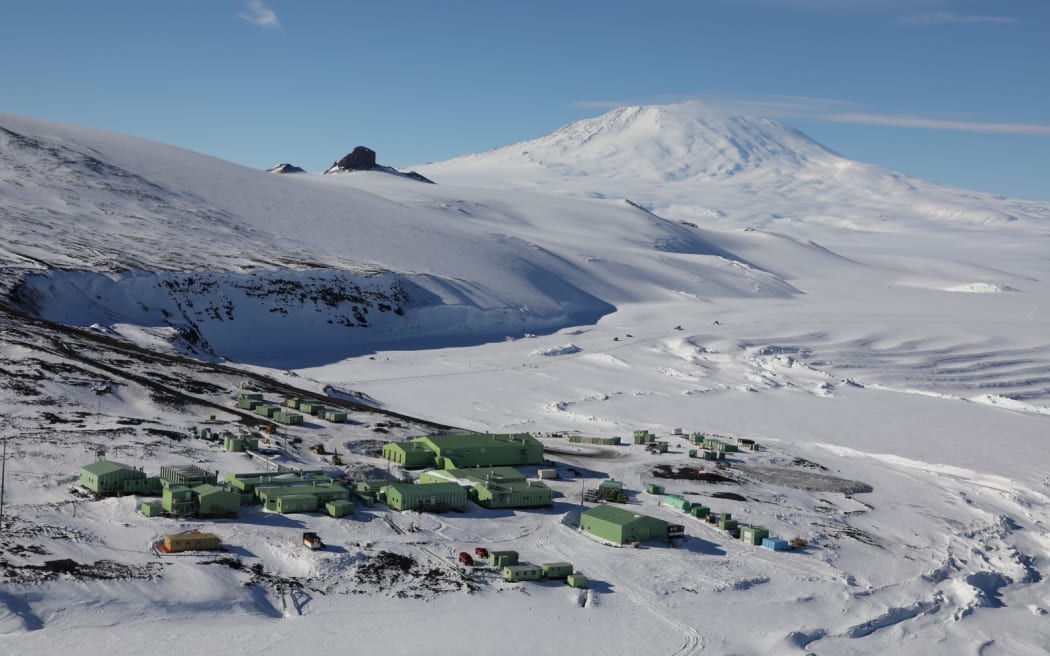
948 17
256 13
829 110
1040 129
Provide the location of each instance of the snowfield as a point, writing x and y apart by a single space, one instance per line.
883 339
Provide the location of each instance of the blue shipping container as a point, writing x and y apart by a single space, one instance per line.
776 544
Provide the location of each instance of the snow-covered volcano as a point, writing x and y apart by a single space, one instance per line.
668 143
695 162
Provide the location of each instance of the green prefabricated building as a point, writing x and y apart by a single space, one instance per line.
521 494
339 508
726 522
620 526
105 477
556 570
522 573
177 500
151 508
214 501
699 511
146 486
653 488
237 443
323 492
293 503
411 454
714 455
292 403
494 487
459 450
187 475
503 558
335 416
677 502
248 404
267 410
753 534
288 418
576 580
434 497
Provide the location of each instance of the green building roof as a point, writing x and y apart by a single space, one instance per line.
103 467
615 514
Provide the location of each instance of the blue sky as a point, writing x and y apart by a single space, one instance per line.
955 91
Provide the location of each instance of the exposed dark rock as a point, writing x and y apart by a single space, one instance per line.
363 158
286 168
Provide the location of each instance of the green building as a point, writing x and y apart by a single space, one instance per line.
151 508
288 418
643 437
677 502
604 441
459 450
556 570
576 580
105 477
503 558
214 501
190 475
335 416
718 445
411 454
339 508
269 495
245 402
726 522
753 534
620 526
432 497
237 443
293 503
177 499
699 511
523 572
494 487
653 488
267 411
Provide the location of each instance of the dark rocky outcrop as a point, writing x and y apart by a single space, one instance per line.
363 158
286 168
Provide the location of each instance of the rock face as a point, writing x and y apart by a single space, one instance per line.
286 168
362 158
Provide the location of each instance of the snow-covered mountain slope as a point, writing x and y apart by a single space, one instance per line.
107 229
692 162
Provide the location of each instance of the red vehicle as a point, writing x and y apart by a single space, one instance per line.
465 558
481 552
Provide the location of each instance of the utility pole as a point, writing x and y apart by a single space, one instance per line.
3 479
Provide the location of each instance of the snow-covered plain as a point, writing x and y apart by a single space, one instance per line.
657 267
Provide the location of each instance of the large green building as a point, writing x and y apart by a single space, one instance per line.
105 477
620 526
433 497
494 487
458 450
